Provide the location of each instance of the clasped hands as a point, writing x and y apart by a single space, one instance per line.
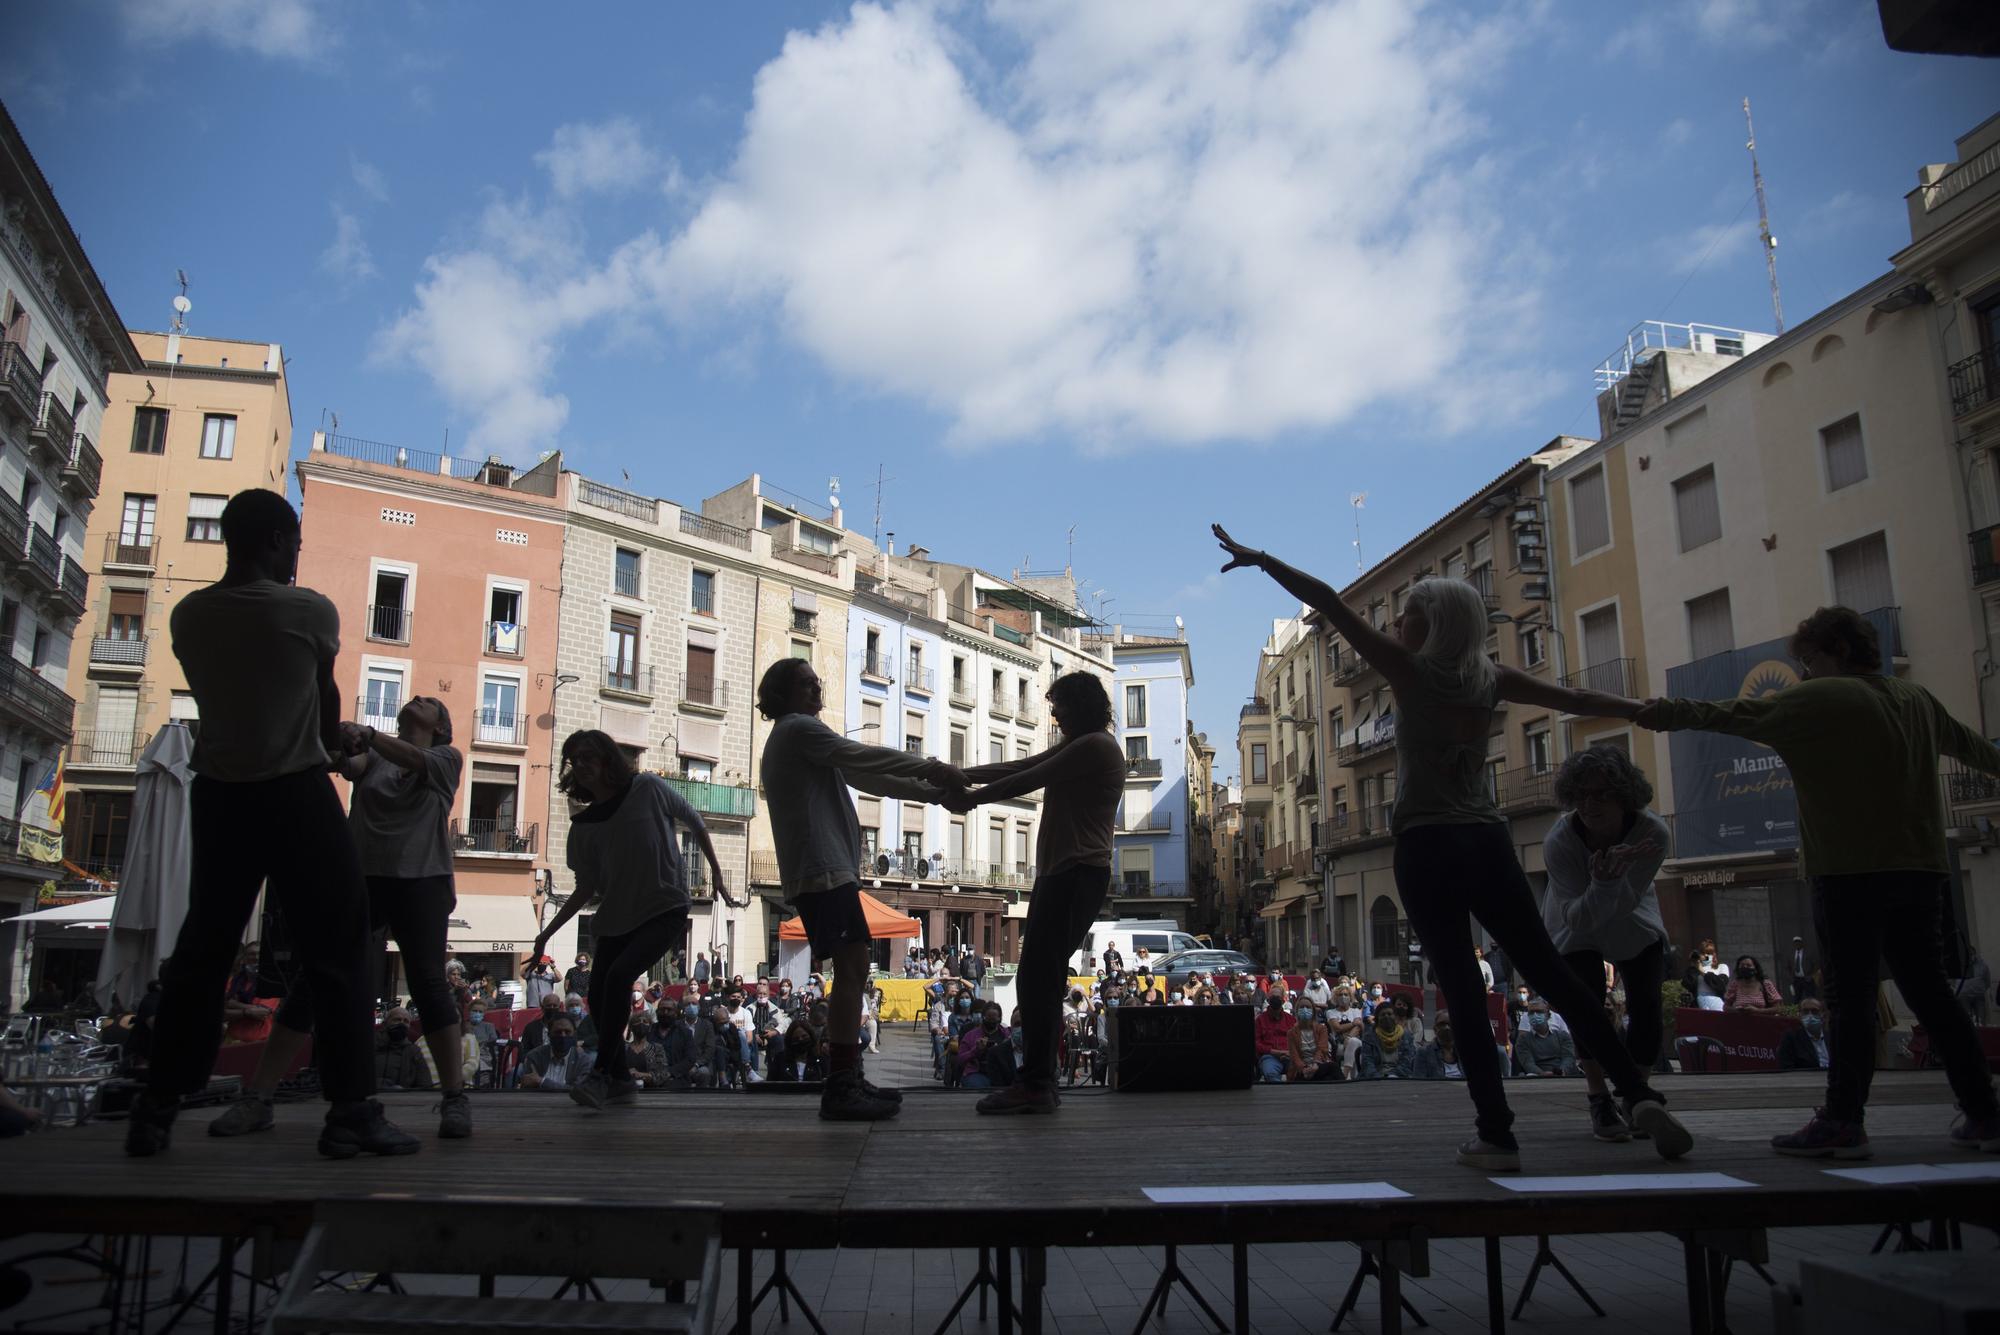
955 790
354 739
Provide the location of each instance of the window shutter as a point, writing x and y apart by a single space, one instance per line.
1861 574
1696 509
1590 517
1709 627
1846 460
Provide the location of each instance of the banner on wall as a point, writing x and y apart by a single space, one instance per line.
1731 795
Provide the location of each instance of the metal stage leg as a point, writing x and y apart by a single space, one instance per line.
1034 1275
582 1284
743 1261
1699 1316
1545 1255
1240 1265
1392 1313
1496 1294
781 1284
1005 1268
982 1280
1171 1274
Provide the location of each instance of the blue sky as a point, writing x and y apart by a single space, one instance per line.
1125 267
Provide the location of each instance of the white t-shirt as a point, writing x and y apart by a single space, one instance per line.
1319 993
1352 1015
253 654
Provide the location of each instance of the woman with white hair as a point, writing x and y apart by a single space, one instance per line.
1454 856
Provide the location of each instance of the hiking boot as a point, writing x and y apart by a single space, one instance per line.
1670 1139
151 1125
1825 1138
359 1127
247 1114
593 1091
894 1096
1501 1156
846 1099
1019 1099
455 1117
1605 1122
1976 1133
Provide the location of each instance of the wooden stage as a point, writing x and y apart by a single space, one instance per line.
786 1181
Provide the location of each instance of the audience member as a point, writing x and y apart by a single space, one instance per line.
1406 1015
1801 972
1274 1043
1804 1048
1707 979
1318 991
558 1063
1750 992
1388 1052
1344 1023
986 1052
1311 1054
1541 1049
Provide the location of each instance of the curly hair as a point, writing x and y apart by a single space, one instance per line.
774 688
609 755
1082 697
1605 769
1842 633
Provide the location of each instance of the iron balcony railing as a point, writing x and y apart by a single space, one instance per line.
1027 715
13 529
764 869
1379 735
962 692
712 530
482 835
622 674
1351 667
1972 382
378 713
625 583
1529 788
705 694
619 502
1146 822
1613 675
1888 623
118 651
804 622
1144 768
19 379
97 748
877 665
25 693
401 456
54 425
44 555
1001 707
1482 580
716 799
824 563
506 639
135 550
388 623
85 466
1964 787
920 679
500 727
1985 544
1254 709
75 586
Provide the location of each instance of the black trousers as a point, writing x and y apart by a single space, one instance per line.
417 912
1645 1021
1451 874
292 831
1898 916
619 962
1059 914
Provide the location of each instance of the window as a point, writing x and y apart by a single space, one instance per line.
999 689
621 652
1135 874
815 540
1589 513
1384 940
701 592
913 734
500 711
205 518
1846 460
491 810
1600 651
913 843
1536 737
503 622
996 846
218 436
802 649
127 616
870 730
959 743
389 615
1135 706
135 527
381 698
958 686
1534 647
1260 763
1709 627
625 573
1336 721
1696 510
149 431
996 749
1861 574
1135 750
697 769
1020 850
698 686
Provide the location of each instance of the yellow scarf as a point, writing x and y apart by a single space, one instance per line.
1389 1038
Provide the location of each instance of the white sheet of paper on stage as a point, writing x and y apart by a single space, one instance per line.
1898 1173
1625 1182
1287 1191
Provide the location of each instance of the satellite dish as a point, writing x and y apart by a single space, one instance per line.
1179 624
182 304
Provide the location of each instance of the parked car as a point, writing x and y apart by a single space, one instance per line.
1224 964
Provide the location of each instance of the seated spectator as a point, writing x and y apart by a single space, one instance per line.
645 1057
1804 1048
940 1021
398 1063
986 1052
797 1055
246 1015
1241 993
559 1063
1542 1050
1311 1052
1387 1050
1750 992
748 1040
1406 1015
1318 991
1517 1007
1344 1023
1438 1059
586 1029
486 1037
1274 1040
788 1000
871 1018
1373 1000
718 1049
1275 986
674 1033
1707 978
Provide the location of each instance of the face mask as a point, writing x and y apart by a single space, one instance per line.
1385 1022
479 1017
397 1032
1539 1021
1276 1007
638 996
1523 996
562 1043
964 1005
576 1010
1177 996
1813 1024
990 1023
1375 993
1308 1013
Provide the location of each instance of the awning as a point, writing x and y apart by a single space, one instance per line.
1280 907
700 739
87 913
626 726
883 921
804 601
489 925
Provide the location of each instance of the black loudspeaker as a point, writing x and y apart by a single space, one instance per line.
1182 1047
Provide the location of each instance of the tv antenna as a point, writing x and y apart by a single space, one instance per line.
181 303
879 482
1357 500
1764 221
833 493
1069 557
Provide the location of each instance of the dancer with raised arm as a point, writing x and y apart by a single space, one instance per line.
806 771
1084 774
1454 860
1862 748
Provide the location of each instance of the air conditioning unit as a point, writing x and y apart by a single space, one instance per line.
1536 591
884 864
1527 515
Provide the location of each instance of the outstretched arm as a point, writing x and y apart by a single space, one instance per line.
1524 689
881 770
1051 766
1962 743
1384 653
1001 769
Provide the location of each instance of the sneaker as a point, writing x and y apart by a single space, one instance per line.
455 1117
754 1076
1491 1156
1606 1123
894 1096
1670 1139
151 1125
1018 1099
1825 1138
846 1099
624 1094
592 1091
358 1127
1976 1133
1638 1132
247 1114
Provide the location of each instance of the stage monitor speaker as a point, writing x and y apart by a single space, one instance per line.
1182 1047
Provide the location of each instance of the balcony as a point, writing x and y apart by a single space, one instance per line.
717 799
481 837
53 427
920 680
876 667
506 639
73 593
1489 589
1888 623
83 472
28 698
44 558
621 676
378 713
1376 737
1137 886
1146 822
493 726
1527 789
98 749
20 381
1352 667
1254 709
1613 676
111 651
1001 707
1965 787
764 869
1143 767
133 551
709 530
641 508
707 695
13 530
824 562
1027 715
963 694
388 623
1972 382
625 583
804 623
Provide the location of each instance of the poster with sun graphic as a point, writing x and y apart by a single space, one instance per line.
1732 795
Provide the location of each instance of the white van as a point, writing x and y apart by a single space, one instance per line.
1160 936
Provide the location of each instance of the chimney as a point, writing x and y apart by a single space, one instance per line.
917 553
891 548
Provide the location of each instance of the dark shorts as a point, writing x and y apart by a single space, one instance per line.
832 919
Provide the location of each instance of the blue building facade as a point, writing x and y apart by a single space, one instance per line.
1151 686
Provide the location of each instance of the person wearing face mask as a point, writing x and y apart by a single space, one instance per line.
536 1031
1374 1000
1344 1022
1707 978
1542 1050
559 1063
581 1021
673 1031
1318 991
397 1063
940 1026
538 981
1309 1055
986 1052
1274 1040
1750 992
1804 1048
486 1041
1438 1059
1406 1015
1388 1050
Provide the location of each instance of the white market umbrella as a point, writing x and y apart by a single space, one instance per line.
87 913
153 893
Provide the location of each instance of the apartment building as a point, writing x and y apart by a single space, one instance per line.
60 341
1256 821
1152 873
1497 540
1291 908
199 421
1230 918
1204 914
447 573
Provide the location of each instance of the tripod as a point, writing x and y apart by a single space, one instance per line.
983 1279
1545 1255
1365 1271
1170 1275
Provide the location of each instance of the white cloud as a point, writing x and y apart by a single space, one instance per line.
1708 244
1182 222
368 177
346 256
610 156
287 29
1677 132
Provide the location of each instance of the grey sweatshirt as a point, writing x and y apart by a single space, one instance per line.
806 772
1617 919
632 860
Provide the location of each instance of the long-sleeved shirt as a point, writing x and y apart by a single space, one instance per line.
625 853
1543 1050
806 772
1274 1034
1085 780
1863 753
1618 919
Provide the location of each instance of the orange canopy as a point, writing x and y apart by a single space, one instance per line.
883 921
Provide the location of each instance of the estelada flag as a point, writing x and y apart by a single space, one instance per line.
52 784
